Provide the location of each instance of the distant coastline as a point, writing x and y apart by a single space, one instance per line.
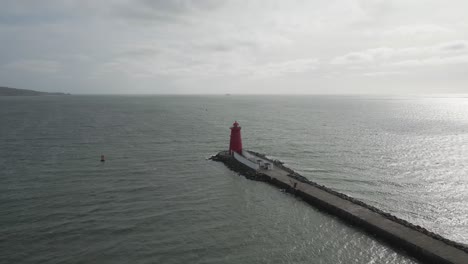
8 91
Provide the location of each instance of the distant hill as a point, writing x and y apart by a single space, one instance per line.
7 91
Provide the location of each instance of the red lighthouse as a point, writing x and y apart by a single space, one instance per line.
236 142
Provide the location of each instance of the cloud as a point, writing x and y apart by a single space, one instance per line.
417 30
454 46
152 68
224 45
284 67
161 10
382 73
442 53
34 66
140 51
432 61
354 58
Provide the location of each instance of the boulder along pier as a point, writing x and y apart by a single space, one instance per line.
398 233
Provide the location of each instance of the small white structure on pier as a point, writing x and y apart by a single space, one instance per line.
253 161
245 161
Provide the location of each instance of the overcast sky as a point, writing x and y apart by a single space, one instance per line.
214 46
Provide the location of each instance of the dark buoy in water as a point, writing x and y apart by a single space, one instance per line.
103 158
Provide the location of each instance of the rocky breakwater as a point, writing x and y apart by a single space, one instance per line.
238 167
413 239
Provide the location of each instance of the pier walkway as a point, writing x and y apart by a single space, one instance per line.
422 246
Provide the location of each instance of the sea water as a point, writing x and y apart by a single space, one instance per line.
157 199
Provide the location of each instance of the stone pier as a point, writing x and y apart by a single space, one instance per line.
416 241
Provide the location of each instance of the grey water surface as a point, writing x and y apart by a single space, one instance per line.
157 199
